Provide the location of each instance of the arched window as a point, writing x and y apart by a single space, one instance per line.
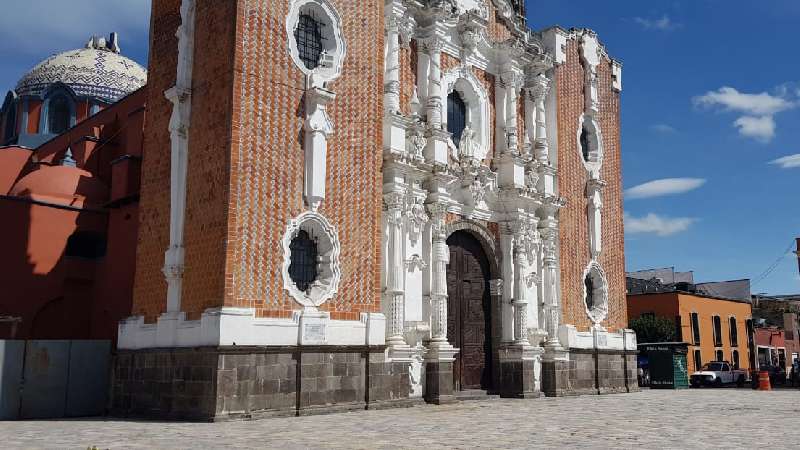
589 291
86 244
58 115
585 149
456 116
303 267
11 122
308 36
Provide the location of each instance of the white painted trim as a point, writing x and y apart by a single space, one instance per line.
240 326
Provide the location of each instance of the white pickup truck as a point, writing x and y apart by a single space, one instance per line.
718 373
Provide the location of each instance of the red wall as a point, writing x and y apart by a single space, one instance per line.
61 297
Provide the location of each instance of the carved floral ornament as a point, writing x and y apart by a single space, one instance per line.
328 268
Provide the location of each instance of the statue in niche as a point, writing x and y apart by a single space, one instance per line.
468 148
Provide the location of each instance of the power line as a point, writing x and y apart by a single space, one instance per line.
773 266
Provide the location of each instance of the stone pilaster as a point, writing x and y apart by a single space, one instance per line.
440 355
181 97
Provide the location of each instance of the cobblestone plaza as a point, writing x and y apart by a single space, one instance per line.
706 418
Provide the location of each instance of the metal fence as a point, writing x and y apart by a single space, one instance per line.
53 378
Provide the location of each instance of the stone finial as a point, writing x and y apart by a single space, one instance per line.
68 160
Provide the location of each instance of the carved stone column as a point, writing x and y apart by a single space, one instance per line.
520 292
550 285
391 86
540 88
394 273
434 104
440 355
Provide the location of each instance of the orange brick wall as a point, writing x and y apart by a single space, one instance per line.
208 174
150 289
574 228
267 159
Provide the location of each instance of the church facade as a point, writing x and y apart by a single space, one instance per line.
375 203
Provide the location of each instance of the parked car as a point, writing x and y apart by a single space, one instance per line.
718 373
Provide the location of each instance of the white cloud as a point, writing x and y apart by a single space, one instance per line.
788 162
658 225
762 104
758 110
62 25
759 128
664 186
664 23
663 128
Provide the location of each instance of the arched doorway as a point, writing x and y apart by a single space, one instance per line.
469 312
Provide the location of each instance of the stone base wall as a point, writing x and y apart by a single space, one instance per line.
590 372
246 382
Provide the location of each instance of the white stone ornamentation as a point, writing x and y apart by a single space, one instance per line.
328 268
181 97
597 309
334 46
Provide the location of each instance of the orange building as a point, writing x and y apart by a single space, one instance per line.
715 328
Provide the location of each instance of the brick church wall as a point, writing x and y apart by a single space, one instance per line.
267 160
574 227
150 289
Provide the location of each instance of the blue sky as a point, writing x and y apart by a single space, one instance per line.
710 114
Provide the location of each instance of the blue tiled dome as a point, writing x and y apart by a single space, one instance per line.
97 71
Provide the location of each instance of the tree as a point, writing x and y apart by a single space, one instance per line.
650 328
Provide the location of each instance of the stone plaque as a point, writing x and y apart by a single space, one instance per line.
314 333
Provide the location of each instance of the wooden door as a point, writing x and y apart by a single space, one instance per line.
468 312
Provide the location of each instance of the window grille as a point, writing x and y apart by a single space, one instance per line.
698 363
585 144
303 267
308 36
589 284
456 116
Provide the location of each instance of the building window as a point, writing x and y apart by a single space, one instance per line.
696 328
735 359
719 355
678 329
589 284
734 334
698 363
58 115
303 266
11 122
748 324
308 36
717 331
456 116
86 244
585 144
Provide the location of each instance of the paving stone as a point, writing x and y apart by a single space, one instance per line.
729 418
